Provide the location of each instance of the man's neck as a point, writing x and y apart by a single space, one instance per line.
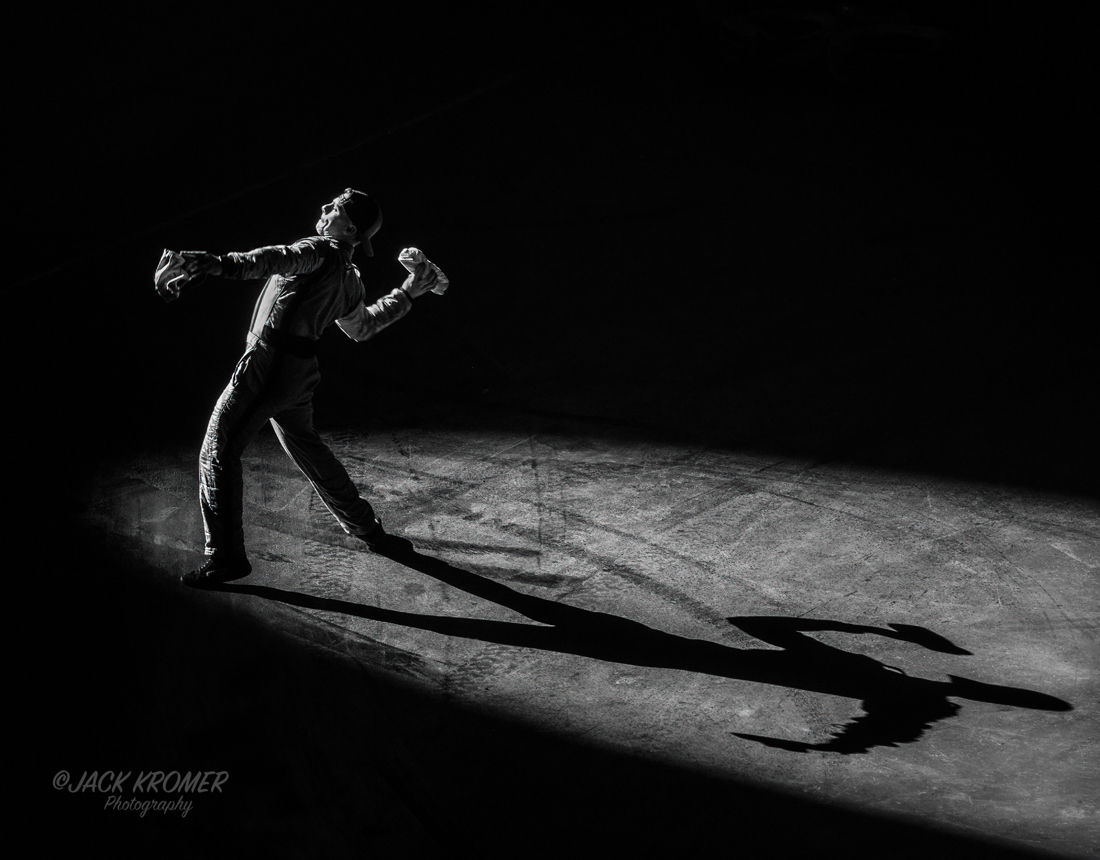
352 241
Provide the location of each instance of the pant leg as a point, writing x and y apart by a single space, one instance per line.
242 409
329 478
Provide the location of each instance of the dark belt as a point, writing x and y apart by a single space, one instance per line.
299 347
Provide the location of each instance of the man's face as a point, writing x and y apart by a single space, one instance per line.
334 221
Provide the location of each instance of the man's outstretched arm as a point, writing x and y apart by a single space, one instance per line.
177 270
287 260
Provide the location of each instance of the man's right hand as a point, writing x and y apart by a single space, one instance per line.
197 263
178 269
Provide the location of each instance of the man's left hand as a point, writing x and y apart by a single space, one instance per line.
425 278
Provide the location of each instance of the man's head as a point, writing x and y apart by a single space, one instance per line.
352 216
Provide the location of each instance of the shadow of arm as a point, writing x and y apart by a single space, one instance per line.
787 632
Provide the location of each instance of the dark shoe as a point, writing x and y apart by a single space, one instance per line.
383 543
214 573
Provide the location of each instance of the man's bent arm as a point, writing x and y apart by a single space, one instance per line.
367 320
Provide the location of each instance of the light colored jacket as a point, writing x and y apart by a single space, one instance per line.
311 284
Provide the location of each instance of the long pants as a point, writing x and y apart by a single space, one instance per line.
269 384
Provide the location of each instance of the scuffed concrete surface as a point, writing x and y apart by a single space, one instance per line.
674 541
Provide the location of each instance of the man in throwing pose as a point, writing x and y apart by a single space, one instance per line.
310 284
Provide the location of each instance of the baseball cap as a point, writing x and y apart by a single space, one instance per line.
365 214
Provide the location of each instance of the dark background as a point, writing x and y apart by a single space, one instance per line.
705 228
683 221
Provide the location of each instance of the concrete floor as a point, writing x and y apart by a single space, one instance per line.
912 649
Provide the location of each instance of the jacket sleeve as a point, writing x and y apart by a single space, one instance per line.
300 258
367 320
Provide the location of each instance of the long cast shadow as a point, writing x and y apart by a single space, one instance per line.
897 707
